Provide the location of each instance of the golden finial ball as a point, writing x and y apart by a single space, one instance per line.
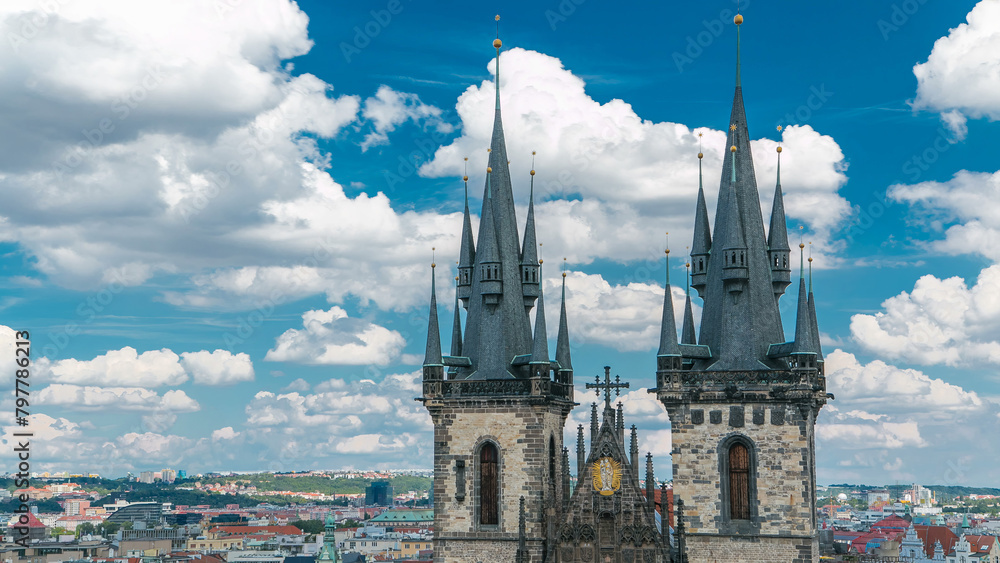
498 17
779 149
810 258
497 43
732 148
433 265
668 251
564 274
801 245
489 169
532 172
540 261
701 156
738 19
465 178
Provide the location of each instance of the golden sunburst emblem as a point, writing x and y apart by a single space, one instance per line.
607 476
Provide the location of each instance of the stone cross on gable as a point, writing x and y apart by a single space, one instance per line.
607 386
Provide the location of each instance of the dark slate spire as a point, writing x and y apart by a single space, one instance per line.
540 349
803 353
432 354
739 331
777 240
491 282
687 329
497 328
581 451
701 246
668 327
456 329
562 341
813 325
530 271
467 253
734 269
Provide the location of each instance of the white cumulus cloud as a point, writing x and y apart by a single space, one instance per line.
961 76
332 338
220 367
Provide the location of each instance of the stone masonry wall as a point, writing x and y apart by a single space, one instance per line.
522 432
739 550
784 481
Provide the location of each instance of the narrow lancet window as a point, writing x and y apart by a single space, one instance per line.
489 485
739 482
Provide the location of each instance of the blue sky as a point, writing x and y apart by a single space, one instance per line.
214 232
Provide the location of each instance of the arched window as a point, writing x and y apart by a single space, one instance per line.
489 485
739 482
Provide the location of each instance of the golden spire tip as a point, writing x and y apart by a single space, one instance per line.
738 20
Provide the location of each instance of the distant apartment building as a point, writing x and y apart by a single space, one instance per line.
73 507
168 475
379 493
877 495
146 477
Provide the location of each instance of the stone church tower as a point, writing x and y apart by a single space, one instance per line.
743 402
498 402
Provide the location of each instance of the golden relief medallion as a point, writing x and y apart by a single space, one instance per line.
607 476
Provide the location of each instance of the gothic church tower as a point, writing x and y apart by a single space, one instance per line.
742 402
498 402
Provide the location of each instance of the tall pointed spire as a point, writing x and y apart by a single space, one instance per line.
777 239
735 268
803 353
669 352
530 271
491 280
498 331
456 327
467 252
540 349
432 354
813 325
701 246
740 318
687 327
562 341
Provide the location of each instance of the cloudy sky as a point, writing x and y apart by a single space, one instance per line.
216 218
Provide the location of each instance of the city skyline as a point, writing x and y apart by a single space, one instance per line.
217 236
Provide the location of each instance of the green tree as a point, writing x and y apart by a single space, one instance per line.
84 529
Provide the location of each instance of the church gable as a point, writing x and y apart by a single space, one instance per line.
608 514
